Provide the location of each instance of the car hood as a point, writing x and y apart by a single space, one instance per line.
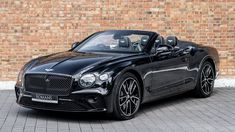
72 62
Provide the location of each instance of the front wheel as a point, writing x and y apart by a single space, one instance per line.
205 82
127 97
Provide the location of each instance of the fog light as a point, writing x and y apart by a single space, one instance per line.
92 100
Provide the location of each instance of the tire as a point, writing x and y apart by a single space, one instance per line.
205 81
127 96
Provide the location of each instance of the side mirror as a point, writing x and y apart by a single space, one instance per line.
75 44
189 50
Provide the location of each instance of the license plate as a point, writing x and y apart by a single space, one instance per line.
45 98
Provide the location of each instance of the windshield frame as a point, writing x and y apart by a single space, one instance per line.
136 32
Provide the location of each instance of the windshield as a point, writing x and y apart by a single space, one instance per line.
114 42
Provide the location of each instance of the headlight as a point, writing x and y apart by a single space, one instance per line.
104 77
20 78
87 80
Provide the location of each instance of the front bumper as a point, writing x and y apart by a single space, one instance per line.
87 100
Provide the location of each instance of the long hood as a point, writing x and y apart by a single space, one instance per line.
71 62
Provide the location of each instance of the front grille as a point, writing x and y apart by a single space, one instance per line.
48 84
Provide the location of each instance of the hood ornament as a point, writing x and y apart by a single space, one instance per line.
49 70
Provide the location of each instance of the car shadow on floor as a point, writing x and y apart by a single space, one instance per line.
94 117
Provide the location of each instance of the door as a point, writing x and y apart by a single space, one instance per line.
169 68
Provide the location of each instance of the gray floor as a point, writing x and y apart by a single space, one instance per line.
180 113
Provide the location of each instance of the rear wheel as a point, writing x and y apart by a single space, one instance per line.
127 97
205 82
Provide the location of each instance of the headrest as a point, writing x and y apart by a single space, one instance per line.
144 40
172 40
159 41
124 42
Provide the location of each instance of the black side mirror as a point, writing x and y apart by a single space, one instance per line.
189 50
75 44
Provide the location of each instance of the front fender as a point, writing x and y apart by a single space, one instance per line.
117 70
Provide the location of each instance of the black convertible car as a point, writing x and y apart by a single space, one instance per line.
115 71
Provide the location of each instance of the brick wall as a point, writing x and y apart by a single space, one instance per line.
31 28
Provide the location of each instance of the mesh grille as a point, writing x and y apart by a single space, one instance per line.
48 84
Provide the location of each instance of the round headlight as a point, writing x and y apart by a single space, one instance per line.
87 80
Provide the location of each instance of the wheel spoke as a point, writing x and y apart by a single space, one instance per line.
124 102
131 86
125 88
208 88
203 81
210 82
210 79
130 107
203 74
135 97
135 100
208 71
122 97
127 107
204 85
133 89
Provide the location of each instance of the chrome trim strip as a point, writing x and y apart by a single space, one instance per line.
101 91
45 101
164 70
61 99
49 73
25 95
